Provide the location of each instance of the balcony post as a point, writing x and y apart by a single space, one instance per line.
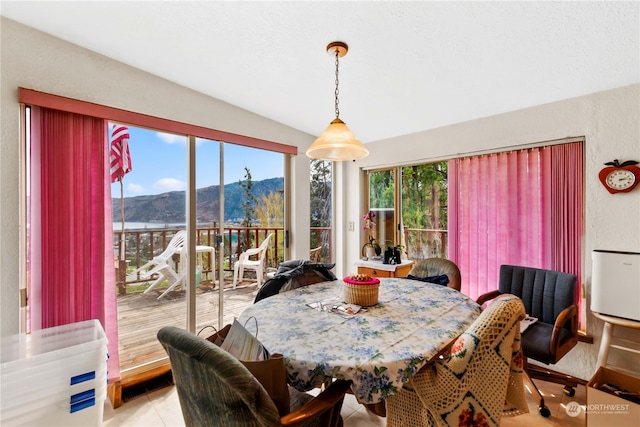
121 276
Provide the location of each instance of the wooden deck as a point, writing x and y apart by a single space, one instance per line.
140 316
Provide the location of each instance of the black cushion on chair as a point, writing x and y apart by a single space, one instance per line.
536 341
442 279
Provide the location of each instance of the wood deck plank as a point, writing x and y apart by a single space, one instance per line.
141 316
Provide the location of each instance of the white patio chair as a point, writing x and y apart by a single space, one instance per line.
181 277
245 263
161 264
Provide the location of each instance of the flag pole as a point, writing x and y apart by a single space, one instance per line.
120 165
122 263
122 240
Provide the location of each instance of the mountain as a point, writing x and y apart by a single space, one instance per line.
171 207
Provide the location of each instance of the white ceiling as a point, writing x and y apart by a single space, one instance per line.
411 66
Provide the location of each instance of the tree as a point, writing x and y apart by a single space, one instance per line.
270 210
248 206
382 189
270 213
320 193
424 196
320 203
249 201
424 206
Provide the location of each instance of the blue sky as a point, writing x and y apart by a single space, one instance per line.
159 163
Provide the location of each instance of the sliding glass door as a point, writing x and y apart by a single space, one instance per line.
238 198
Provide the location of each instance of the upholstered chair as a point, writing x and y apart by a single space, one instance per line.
435 268
215 389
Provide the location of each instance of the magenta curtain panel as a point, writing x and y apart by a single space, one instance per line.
520 207
566 216
72 269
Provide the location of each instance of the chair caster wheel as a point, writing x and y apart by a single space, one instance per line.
544 411
569 391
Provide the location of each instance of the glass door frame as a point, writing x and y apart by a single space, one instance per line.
397 200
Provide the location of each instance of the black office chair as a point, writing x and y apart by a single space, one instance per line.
549 296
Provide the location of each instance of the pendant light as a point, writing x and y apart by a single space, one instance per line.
337 142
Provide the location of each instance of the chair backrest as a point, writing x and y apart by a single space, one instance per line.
175 244
315 255
482 377
294 274
263 246
436 267
213 387
544 293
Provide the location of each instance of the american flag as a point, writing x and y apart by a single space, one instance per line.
120 157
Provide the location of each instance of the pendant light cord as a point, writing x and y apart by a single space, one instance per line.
337 82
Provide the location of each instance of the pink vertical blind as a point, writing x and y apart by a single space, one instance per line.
72 275
566 219
521 207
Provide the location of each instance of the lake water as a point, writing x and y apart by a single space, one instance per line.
117 226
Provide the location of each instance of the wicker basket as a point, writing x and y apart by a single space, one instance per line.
365 295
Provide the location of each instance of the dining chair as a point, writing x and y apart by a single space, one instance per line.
215 389
478 383
548 296
160 265
294 274
315 254
251 259
435 268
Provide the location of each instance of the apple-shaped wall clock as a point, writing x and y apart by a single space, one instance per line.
620 177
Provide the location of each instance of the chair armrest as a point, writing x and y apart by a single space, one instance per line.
568 314
488 296
252 251
244 256
324 402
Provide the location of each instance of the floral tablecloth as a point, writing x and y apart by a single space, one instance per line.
379 349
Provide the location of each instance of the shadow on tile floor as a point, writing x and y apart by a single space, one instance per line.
160 407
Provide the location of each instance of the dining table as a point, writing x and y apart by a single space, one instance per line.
378 349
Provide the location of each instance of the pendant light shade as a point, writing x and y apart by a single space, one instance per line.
337 142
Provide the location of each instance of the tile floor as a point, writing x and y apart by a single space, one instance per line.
162 408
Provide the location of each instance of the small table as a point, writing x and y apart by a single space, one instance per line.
379 349
378 269
607 335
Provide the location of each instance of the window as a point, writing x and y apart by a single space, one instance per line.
410 212
424 210
321 211
382 203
